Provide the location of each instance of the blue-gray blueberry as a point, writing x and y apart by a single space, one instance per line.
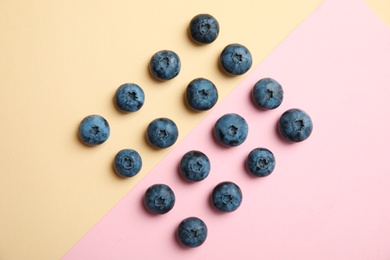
192 232
260 162
94 130
194 166
159 199
235 59
165 65
127 163
295 125
129 97
162 132
201 94
267 93
226 196
204 28
231 129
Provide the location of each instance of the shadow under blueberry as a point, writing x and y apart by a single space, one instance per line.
193 43
176 240
148 144
246 171
248 174
117 176
117 108
79 141
184 180
250 97
146 210
223 72
156 80
212 207
187 106
217 143
279 135
180 176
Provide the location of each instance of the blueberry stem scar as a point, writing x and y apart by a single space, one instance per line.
95 130
128 162
132 95
232 130
227 198
162 134
160 201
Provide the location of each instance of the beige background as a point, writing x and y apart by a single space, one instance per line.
63 60
382 8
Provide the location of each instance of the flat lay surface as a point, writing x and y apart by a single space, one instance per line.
64 61
326 194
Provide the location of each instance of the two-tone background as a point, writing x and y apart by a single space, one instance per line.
62 61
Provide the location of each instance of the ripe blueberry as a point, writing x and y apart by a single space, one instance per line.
129 97
201 94
260 162
267 93
231 129
159 198
192 232
165 65
295 125
204 28
226 196
127 163
94 130
235 59
162 132
194 166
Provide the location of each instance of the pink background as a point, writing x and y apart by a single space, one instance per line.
328 197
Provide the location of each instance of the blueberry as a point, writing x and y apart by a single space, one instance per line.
267 93
201 94
159 198
226 196
192 232
204 28
129 97
94 130
295 125
235 59
162 132
260 162
231 130
194 166
165 65
127 163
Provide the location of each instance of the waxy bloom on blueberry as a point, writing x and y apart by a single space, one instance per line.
129 97
201 94
226 196
165 65
192 232
127 163
267 93
194 166
204 28
159 199
162 132
235 59
231 129
94 130
260 162
295 125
